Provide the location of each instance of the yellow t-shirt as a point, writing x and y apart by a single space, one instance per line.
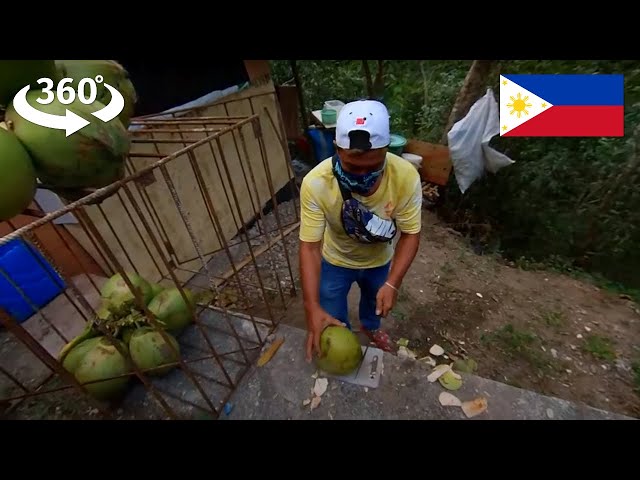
399 196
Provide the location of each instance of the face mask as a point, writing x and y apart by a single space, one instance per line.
360 184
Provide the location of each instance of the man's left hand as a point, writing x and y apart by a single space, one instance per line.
385 300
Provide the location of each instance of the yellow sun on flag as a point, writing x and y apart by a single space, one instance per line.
519 105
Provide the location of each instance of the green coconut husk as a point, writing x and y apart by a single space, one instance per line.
112 72
18 181
17 74
92 157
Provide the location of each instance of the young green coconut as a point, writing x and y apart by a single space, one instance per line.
150 350
117 296
101 362
73 358
91 157
170 308
18 176
340 349
111 72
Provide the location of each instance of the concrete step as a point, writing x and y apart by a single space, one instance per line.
277 390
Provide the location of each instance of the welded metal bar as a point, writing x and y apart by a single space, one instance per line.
155 218
287 157
225 279
226 193
258 211
109 267
75 256
235 198
36 393
8 374
260 321
37 389
265 162
172 274
195 243
198 108
157 140
151 317
200 121
216 227
256 208
33 306
288 227
39 351
117 237
52 264
135 227
253 180
146 155
173 130
209 205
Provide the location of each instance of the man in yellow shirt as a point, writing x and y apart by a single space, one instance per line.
353 206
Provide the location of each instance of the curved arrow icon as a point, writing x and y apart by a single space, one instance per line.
70 122
116 105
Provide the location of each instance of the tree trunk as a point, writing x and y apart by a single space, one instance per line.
473 88
367 78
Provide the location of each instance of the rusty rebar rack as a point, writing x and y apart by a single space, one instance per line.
190 214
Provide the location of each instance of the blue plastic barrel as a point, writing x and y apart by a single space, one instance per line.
31 272
322 141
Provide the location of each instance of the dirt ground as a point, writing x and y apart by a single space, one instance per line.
541 331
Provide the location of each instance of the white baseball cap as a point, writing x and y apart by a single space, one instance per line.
370 119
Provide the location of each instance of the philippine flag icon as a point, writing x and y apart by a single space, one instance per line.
562 105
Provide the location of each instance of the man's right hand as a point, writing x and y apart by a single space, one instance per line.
317 321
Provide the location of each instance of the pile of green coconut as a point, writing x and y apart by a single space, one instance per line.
93 356
33 156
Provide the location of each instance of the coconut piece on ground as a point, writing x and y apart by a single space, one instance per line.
315 401
437 372
320 386
436 350
449 400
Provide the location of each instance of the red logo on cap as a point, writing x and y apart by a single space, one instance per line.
360 121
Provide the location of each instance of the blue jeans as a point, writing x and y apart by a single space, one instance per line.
335 283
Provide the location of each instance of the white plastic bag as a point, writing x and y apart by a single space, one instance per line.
468 139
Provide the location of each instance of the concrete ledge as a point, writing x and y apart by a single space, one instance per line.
277 390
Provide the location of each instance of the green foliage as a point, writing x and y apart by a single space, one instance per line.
560 204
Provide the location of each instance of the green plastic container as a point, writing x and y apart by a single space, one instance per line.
329 116
397 144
